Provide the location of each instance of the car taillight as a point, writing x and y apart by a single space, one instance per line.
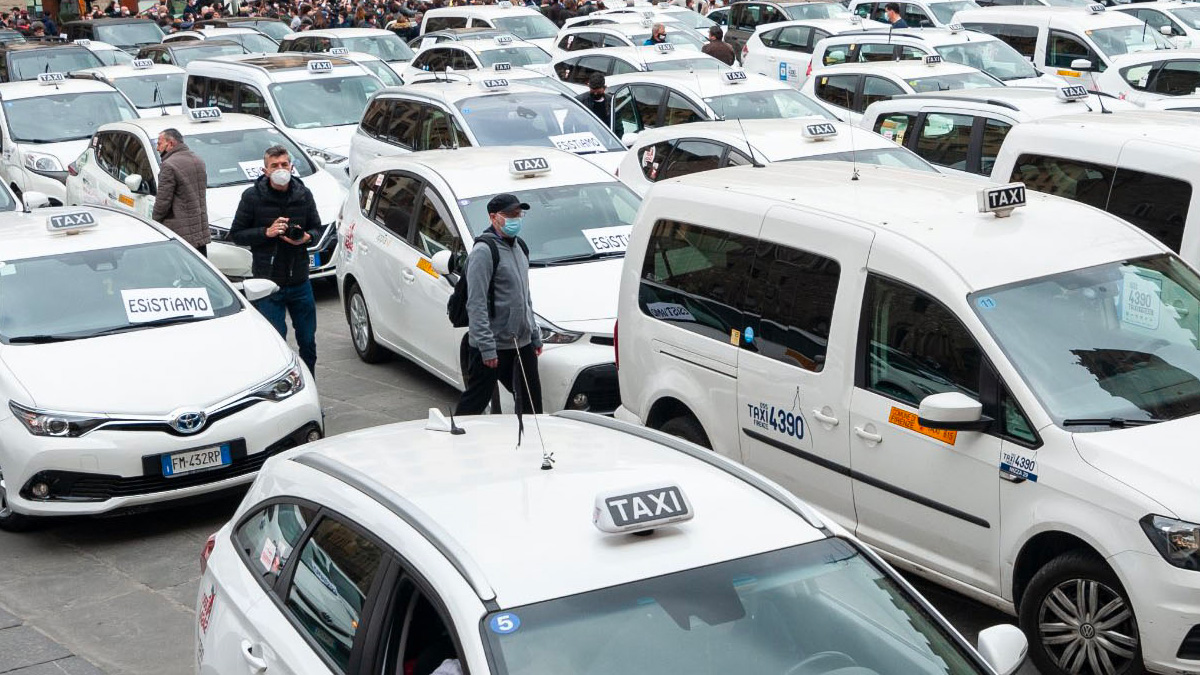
72 169
616 346
208 549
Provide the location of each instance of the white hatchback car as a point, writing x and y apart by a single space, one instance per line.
1152 76
478 55
383 44
785 50
109 55
632 34
846 90
154 89
115 301
406 549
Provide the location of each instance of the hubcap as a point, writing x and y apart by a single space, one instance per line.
1087 628
5 511
360 325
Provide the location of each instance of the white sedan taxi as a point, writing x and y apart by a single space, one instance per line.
154 89
120 168
409 549
402 211
115 301
499 54
846 90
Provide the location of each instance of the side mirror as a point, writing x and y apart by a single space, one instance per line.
257 289
441 262
35 200
1081 64
1004 648
234 262
319 161
1166 30
952 410
629 139
134 182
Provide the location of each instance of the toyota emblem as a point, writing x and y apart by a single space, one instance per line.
188 422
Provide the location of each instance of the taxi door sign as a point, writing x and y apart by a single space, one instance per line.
641 509
908 420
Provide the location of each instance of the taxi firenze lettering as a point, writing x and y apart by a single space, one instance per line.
1019 465
640 507
767 416
193 305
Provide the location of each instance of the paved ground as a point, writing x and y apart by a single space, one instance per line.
119 592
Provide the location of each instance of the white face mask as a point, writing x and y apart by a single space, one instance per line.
281 177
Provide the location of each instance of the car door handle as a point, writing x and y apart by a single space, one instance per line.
825 419
867 436
257 663
408 276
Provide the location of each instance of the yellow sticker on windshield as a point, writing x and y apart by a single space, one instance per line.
903 418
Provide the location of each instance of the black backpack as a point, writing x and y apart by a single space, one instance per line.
456 306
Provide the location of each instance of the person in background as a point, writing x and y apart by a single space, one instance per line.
181 202
718 48
596 98
658 35
892 13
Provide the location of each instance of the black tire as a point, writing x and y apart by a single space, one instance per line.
9 521
362 335
1104 641
687 428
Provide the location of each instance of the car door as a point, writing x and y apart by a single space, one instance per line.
874 89
384 240
794 374
636 107
135 159
930 496
838 92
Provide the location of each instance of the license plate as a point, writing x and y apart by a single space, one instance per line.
314 260
200 459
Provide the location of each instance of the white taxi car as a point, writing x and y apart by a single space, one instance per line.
383 44
1178 20
632 34
45 128
469 55
112 299
253 41
375 65
402 211
109 54
637 553
864 336
154 89
846 90
785 49
523 23
916 13
670 152
120 168
1152 76
576 68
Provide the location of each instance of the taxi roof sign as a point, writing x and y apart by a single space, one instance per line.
338 51
664 47
492 85
503 39
734 76
501 66
504 4
932 59
647 14
82 42
1073 92
320 66
51 78
819 131
142 64
71 223
955 27
641 509
529 166
646 23
1095 8
204 114
1001 199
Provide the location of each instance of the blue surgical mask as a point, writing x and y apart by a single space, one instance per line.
511 226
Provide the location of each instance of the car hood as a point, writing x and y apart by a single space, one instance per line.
1157 460
223 201
330 139
151 113
152 371
581 296
66 152
609 161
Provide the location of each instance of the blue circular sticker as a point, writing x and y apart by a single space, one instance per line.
749 333
503 624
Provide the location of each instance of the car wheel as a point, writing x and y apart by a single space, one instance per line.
687 428
10 521
1079 621
361 333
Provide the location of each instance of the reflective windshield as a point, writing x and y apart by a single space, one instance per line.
1128 40
1189 16
557 217
527 26
182 57
816 609
152 91
129 34
387 47
944 11
78 295
254 42
758 105
900 158
956 81
274 29
113 57
53 119
233 157
1118 340
382 71
680 38
518 56
323 101
536 118
692 20
993 57
816 10
698 63
28 65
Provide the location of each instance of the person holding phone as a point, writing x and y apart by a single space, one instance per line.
277 218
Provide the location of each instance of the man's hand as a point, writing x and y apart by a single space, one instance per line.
539 351
277 227
298 242
492 363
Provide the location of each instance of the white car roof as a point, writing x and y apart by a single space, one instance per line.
97 46
929 37
1105 135
703 83
341 33
214 33
25 235
625 29
1074 18
153 126
1125 60
904 70
771 139
10 91
640 54
528 533
485 11
1026 102
834 26
110 73
280 67
455 89
478 46
1166 5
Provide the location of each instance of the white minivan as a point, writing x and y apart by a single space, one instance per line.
1000 396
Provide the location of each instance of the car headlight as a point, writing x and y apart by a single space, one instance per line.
50 423
218 233
37 161
329 157
553 335
1177 540
285 386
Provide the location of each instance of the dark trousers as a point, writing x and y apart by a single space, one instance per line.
481 380
203 250
298 301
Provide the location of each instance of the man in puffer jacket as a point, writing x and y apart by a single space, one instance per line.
180 203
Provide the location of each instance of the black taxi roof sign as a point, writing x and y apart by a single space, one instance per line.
664 47
1072 92
204 114
639 509
932 59
819 131
502 66
734 76
71 223
338 51
51 78
142 64
320 66
1001 199
529 166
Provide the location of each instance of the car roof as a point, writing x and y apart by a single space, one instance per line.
478 46
1109 133
127 70
217 31
1039 14
1160 4
703 83
341 33
11 91
834 26
1122 60
110 20
626 29
97 45
24 235
193 44
283 66
777 139
909 68
27 46
925 36
481 10
481 496
455 89
153 126
636 54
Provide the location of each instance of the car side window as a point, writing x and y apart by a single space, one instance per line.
252 102
877 89
994 132
460 60
321 44
794 39
583 69
579 41
1156 204
368 188
769 38
1021 38
945 139
134 160
915 16
835 54
222 94
435 23
402 125
267 538
745 17
876 52
1177 78
420 639
620 67
791 292
1014 422
692 156
375 118
771 15
334 574
837 90
612 41
894 126
638 108
736 158
1081 181
680 111
1063 48
197 92
911 54
395 204
437 131
434 231
1138 76
651 157
108 151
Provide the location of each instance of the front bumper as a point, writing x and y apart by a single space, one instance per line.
49 184
583 368
1166 601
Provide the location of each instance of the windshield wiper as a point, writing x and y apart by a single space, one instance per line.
1114 422
165 321
41 339
583 257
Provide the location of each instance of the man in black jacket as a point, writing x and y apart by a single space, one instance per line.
277 218
596 98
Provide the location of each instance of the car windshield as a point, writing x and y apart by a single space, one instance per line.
29 64
687 39
517 56
129 34
698 63
570 223
954 81
6 201
1112 342
233 157
527 26
382 71
387 47
821 607
152 91
253 42
816 10
944 11
758 105
113 57
182 57
551 84
274 29
54 119
1128 40
536 118
993 57
1068 3
894 157
1188 15
85 293
323 101
692 20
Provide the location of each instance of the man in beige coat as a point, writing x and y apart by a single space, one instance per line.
182 182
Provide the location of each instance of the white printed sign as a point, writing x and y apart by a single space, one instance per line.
267 557
608 239
670 311
584 141
1140 301
151 304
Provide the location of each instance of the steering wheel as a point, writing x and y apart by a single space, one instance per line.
821 662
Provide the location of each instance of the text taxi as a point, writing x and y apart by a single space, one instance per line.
633 552
960 383
114 301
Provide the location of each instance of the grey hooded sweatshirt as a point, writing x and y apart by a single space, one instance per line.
513 319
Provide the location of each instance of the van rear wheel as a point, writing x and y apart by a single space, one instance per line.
687 428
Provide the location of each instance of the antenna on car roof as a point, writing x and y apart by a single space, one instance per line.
1100 100
753 160
518 396
158 97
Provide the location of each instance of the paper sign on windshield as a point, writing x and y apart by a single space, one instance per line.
152 304
1140 305
253 169
584 141
608 239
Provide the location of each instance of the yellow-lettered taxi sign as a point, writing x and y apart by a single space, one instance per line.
903 418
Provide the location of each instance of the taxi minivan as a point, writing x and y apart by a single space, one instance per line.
993 387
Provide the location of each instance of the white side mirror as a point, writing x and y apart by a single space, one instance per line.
952 410
1081 64
234 262
441 262
1004 648
134 182
319 161
257 289
1166 30
629 139
35 200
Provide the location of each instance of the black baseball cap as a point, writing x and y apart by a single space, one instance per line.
504 202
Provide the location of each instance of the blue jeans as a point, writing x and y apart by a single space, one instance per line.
298 301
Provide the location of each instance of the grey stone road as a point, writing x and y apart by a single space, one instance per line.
119 592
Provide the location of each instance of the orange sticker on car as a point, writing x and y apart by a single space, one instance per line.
427 267
903 418
127 201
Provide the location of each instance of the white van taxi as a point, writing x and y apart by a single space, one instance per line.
113 300
404 211
154 89
630 552
1007 419
121 165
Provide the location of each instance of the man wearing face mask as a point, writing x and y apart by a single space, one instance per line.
180 202
500 313
277 218
596 97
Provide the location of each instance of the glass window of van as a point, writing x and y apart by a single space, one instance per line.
1177 78
443 22
1021 38
1062 49
791 293
945 139
838 90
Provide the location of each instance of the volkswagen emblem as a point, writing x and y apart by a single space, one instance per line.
188 422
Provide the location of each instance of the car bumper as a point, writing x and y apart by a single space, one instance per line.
1166 601
47 183
325 255
580 376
